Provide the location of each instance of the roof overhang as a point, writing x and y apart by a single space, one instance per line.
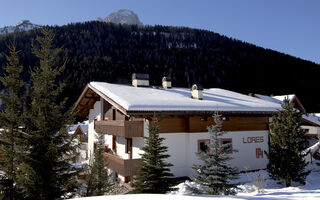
179 112
298 104
90 95
78 131
310 122
87 100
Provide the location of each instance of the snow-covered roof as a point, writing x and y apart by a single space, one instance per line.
290 97
312 118
72 128
84 128
280 98
140 99
276 99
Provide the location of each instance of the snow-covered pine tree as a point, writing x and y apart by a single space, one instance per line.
215 175
47 172
11 138
97 179
153 175
287 142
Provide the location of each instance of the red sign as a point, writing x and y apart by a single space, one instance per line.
259 153
258 139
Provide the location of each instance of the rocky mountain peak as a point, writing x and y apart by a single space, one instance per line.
24 25
123 16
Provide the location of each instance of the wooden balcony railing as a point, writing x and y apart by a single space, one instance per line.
121 128
125 167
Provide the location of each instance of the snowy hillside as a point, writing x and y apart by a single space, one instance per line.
24 25
272 190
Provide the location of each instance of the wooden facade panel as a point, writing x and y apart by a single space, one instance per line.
232 123
111 113
120 128
196 123
199 123
125 167
172 125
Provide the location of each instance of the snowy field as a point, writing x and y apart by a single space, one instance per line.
270 190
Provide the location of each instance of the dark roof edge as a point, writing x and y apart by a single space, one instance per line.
133 112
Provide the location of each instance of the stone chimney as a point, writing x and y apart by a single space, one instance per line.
166 82
197 91
140 80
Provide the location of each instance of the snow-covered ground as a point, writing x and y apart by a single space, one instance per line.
270 191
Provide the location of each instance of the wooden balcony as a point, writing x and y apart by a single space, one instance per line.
120 128
125 167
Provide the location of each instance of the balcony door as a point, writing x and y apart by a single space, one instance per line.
129 147
114 144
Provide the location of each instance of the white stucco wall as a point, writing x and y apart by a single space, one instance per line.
93 113
108 140
137 144
245 158
177 144
183 147
121 147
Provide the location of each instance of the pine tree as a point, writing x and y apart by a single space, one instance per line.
11 138
97 178
153 175
214 175
47 170
287 142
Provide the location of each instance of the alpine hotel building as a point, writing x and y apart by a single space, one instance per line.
122 113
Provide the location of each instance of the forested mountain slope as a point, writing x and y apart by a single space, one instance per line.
108 52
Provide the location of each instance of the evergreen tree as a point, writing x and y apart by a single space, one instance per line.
214 175
287 142
153 175
11 138
97 178
47 170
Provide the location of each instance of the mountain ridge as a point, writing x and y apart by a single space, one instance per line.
24 25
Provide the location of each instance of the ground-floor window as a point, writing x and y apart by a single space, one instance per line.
203 145
226 144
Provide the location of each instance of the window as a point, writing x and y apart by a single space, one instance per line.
113 114
114 144
226 144
203 145
204 118
94 122
225 118
94 146
129 145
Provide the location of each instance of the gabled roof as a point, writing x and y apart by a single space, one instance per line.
82 129
312 119
309 118
137 100
280 98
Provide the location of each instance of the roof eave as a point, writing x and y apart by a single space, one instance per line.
179 112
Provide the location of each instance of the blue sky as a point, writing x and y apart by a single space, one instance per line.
288 26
